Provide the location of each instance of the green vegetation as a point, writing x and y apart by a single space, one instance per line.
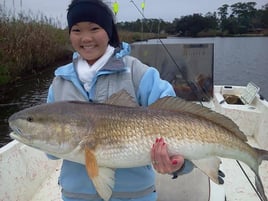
28 44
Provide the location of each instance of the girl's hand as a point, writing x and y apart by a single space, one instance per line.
161 161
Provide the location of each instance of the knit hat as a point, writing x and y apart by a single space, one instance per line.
93 11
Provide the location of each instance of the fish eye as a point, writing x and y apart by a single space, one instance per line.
30 119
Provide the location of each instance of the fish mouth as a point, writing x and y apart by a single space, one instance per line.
16 131
25 140
20 136
17 134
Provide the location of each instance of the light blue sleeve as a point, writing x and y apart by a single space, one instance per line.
50 97
152 87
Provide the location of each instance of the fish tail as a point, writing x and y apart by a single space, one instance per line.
262 155
260 188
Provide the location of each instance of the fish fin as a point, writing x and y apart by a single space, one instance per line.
102 178
259 186
210 166
122 98
262 155
179 105
104 183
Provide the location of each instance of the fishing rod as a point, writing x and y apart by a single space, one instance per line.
194 90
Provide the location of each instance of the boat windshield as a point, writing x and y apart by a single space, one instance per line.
188 67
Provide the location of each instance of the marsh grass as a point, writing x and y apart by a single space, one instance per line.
31 42
28 43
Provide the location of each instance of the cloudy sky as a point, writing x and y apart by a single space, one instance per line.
164 9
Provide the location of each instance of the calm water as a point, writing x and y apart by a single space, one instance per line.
236 62
23 94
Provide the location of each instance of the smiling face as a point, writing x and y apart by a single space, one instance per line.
89 40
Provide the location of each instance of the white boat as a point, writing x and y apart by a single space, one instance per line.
27 174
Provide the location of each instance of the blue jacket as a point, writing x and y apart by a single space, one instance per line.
117 74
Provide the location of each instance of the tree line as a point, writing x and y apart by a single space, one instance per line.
238 18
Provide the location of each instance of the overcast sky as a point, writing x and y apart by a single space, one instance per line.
162 9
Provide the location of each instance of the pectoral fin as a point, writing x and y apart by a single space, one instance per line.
209 166
102 177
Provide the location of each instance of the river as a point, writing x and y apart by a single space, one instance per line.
236 62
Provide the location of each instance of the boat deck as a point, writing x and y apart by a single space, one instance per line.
50 188
236 185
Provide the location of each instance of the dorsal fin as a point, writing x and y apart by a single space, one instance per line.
180 105
122 98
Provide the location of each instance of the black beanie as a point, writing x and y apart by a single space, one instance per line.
93 11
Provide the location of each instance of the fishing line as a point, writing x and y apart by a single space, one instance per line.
195 88
252 185
138 9
194 91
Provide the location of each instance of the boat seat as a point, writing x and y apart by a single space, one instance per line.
249 93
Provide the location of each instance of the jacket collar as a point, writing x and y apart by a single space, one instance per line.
114 64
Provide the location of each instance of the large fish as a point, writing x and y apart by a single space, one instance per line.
108 136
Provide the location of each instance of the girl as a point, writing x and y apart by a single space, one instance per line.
101 67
